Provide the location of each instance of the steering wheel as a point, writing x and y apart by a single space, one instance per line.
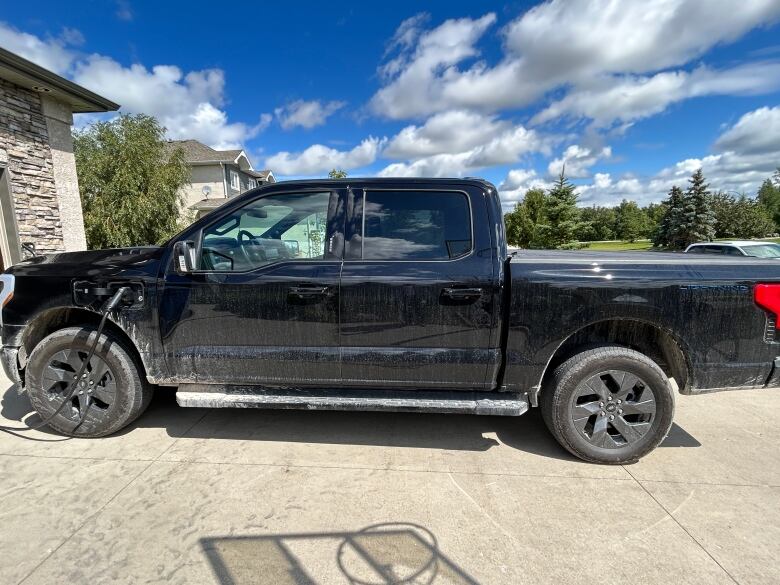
250 246
256 251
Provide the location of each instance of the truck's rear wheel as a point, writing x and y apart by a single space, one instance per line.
112 392
609 404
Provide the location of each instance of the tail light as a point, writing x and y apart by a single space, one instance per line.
767 296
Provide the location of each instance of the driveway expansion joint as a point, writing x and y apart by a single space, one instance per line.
683 528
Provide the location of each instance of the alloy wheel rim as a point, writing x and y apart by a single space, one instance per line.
96 388
613 409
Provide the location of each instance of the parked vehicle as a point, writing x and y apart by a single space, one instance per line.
388 294
752 248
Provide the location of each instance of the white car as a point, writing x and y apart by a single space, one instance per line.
756 249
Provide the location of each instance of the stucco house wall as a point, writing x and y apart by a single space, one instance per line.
201 176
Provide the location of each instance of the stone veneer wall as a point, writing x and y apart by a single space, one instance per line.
24 144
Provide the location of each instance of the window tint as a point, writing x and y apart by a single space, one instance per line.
713 249
267 230
731 251
696 250
415 225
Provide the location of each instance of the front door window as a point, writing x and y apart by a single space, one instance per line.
282 227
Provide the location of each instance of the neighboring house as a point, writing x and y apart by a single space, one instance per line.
40 207
216 175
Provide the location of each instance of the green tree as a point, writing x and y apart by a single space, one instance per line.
337 174
655 213
561 220
130 182
522 221
666 235
740 217
631 222
598 223
769 197
698 221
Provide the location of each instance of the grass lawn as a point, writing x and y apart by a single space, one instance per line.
617 245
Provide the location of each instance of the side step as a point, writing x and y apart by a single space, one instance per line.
220 396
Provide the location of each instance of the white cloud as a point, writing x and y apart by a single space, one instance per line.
756 132
627 98
561 43
513 188
189 105
578 160
306 114
576 40
55 54
506 147
415 74
448 132
748 153
123 10
319 158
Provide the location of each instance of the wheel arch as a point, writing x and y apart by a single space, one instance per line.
650 339
56 318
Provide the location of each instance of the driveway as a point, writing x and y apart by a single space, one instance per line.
273 497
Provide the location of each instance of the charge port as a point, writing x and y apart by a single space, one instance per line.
93 294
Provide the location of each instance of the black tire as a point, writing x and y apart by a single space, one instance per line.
124 389
584 427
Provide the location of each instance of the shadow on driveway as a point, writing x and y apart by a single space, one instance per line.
382 554
454 432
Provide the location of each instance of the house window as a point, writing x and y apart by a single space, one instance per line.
235 181
252 183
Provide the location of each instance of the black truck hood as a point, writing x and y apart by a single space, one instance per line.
140 261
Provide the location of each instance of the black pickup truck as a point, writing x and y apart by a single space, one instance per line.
388 294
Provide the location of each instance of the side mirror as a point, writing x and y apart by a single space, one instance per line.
184 256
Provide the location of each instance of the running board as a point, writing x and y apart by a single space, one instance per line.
220 396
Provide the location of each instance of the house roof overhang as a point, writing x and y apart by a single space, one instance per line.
27 74
208 204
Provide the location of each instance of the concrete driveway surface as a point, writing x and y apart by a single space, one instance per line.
234 497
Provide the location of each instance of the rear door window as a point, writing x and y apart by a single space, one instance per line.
416 225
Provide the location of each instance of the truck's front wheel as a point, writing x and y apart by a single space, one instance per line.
111 394
609 404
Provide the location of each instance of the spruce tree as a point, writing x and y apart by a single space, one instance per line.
698 220
666 236
561 217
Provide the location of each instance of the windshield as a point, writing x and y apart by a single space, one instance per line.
762 250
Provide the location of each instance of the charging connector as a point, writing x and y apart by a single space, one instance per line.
112 303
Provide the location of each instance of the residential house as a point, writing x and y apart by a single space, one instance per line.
216 175
40 206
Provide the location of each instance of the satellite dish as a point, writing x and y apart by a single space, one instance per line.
206 191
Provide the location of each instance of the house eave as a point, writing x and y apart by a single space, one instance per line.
27 74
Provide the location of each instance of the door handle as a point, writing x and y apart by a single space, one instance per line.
461 294
308 291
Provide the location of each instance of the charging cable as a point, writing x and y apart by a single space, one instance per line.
109 306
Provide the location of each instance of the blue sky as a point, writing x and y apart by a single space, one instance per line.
632 95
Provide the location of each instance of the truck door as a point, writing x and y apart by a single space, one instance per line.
417 289
262 305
